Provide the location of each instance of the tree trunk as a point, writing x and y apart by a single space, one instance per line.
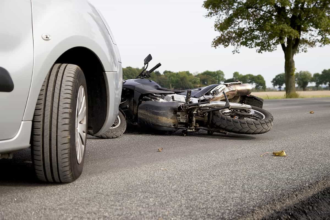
290 79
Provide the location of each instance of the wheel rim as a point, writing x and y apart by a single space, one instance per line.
81 124
258 114
117 123
254 114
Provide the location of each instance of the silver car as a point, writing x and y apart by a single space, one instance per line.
60 78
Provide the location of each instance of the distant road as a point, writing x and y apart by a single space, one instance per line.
194 177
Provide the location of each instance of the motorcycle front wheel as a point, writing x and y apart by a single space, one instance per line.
117 129
257 121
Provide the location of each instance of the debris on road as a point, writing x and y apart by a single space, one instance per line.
276 154
311 112
265 154
280 154
160 150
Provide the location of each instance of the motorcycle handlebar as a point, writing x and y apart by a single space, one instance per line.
156 67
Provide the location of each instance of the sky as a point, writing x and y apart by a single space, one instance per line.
178 35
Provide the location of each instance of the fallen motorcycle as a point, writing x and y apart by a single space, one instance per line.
219 108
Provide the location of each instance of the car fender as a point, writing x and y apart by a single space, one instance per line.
61 25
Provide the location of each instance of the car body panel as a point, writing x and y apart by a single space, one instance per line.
114 91
20 141
58 26
59 19
16 58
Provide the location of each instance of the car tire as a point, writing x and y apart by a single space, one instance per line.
60 125
117 130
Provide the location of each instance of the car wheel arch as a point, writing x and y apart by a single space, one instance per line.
97 84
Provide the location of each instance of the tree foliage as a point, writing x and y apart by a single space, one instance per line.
130 72
325 77
317 80
186 80
279 81
265 24
211 77
303 78
258 80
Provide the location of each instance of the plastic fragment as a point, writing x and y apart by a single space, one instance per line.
279 153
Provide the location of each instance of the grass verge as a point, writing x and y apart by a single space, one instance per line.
301 94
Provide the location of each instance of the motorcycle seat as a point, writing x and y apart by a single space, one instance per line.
199 92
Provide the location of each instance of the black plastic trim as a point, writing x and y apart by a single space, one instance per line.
6 82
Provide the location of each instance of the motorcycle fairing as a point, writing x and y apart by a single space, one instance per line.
145 86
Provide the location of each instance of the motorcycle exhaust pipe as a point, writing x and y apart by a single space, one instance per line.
243 89
232 91
220 104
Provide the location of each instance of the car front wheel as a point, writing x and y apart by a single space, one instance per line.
60 125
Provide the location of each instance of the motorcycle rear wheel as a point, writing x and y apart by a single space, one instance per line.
260 122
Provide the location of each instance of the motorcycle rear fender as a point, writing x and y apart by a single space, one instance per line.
252 100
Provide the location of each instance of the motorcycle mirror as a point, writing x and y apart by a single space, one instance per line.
147 59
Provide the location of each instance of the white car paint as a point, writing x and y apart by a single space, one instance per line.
16 56
28 57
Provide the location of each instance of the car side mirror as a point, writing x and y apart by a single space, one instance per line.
147 59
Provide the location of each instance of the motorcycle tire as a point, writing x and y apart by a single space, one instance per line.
243 125
117 130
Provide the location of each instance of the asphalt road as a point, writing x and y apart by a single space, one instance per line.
194 177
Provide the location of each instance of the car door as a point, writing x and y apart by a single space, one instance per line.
16 63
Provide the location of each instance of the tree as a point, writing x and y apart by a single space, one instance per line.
317 79
236 75
265 24
303 78
279 81
186 80
130 72
326 77
259 81
211 77
206 80
249 78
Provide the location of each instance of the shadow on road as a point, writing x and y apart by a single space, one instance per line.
224 136
200 134
18 171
